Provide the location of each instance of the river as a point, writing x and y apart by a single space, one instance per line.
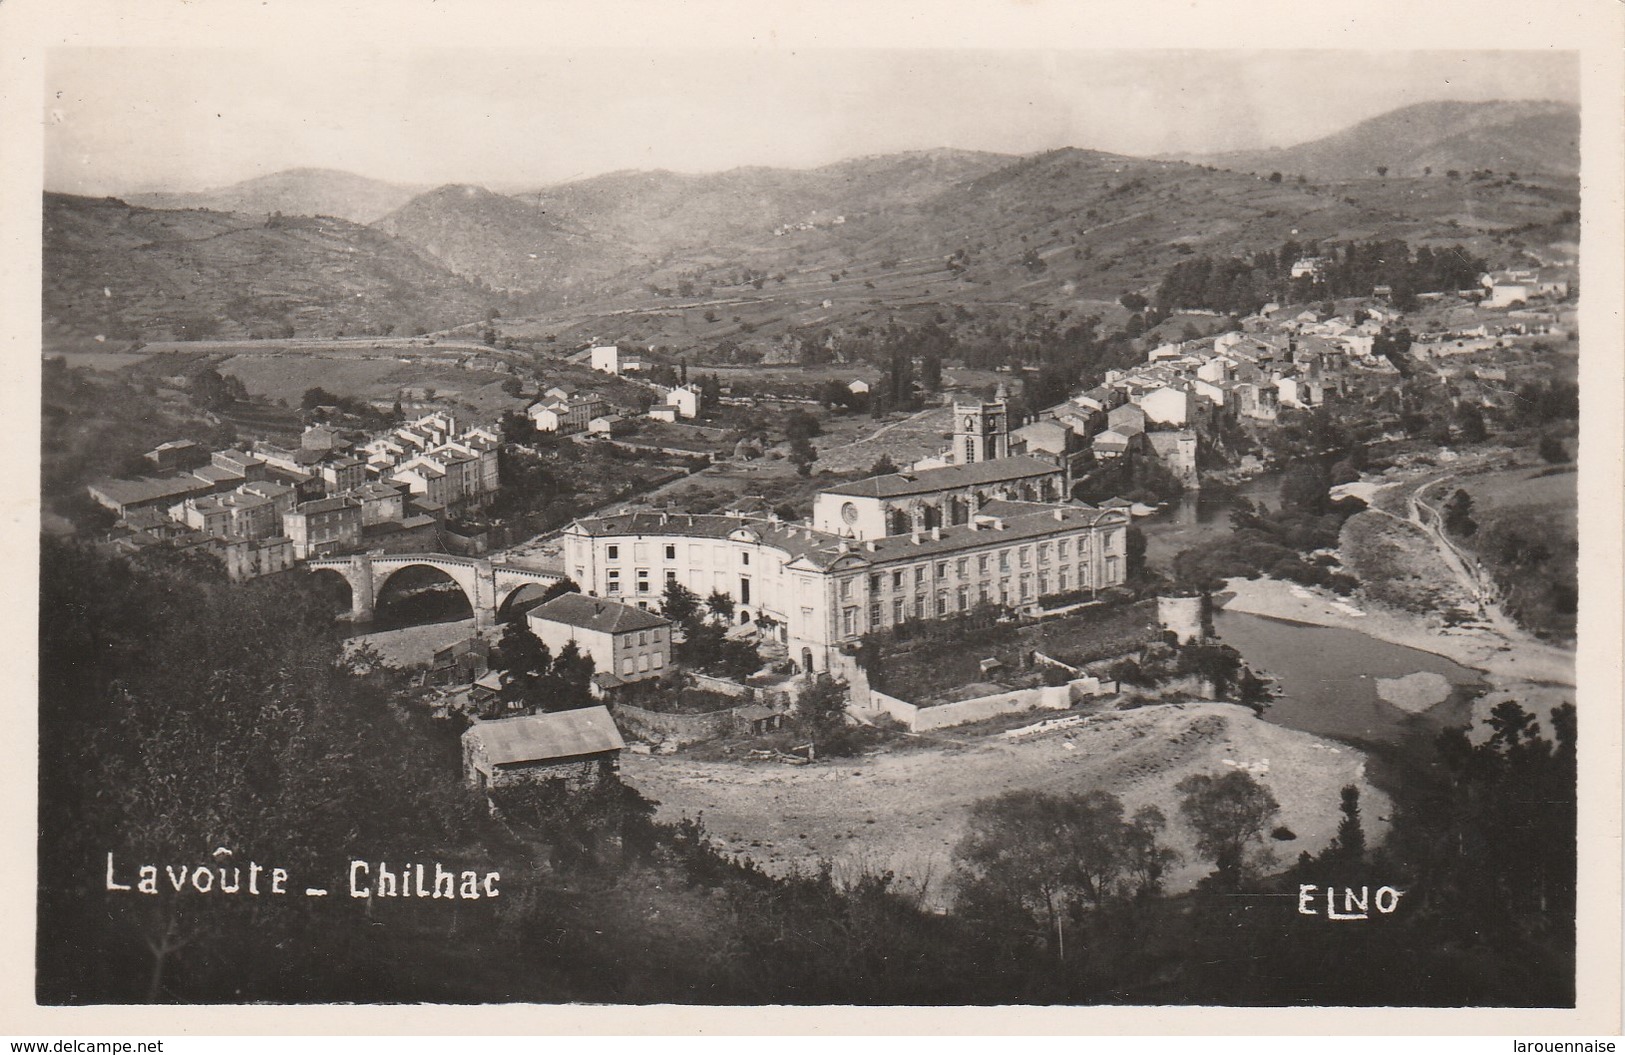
1328 678
1197 517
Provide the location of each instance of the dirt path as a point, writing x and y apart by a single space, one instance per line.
904 809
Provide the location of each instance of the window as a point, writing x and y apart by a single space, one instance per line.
849 621
1026 586
614 584
919 574
1060 580
963 567
643 664
696 554
897 610
643 637
744 558
643 580
1004 560
897 579
919 607
964 598
657 661
671 552
628 667
1061 548
874 615
1043 553
640 552
1043 584
942 569
1026 556
982 593
874 583
612 553
671 575
846 589
942 602
654 635
981 564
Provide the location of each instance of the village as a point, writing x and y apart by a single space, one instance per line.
762 635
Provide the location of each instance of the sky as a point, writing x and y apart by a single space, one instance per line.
121 120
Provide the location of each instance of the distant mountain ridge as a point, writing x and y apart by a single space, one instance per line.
1518 136
293 192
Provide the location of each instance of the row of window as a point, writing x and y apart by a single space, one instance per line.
960 567
696 553
641 664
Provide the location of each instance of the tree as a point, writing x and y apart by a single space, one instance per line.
1382 170
1350 839
799 424
1032 857
1275 177
803 455
721 605
1134 552
569 682
1552 449
1470 421
1458 514
1229 813
1133 301
679 603
559 589
1304 488
883 466
523 662
1145 860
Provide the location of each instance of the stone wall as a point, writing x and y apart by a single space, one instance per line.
1046 698
680 728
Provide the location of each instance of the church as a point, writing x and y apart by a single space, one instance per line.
990 528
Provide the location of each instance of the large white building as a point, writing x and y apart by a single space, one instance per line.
822 589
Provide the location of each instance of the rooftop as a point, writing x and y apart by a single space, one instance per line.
147 489
590 613
1002 523
540 737
896 485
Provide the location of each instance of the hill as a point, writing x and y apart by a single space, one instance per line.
294 192
1522 137
128 272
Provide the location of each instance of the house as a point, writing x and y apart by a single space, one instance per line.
1310 267
627 643
686 399
663 412
1127 414
178 454
858 387
608 360
565 416
125 496
580 748
757 719
1177 450
1166 406
322 527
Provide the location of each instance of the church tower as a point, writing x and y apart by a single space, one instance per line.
982 430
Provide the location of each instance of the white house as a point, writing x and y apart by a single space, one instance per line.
686 399
606 359
858 387
1167 406
629 644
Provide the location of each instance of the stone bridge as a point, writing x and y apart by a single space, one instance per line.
488 584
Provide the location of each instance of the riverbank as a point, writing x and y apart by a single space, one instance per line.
1537 675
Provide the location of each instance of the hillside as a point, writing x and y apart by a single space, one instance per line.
1522 137
294 192
506 242
128 272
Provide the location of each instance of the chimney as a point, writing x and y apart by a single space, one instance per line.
936 534
1060 514
914 537
869 545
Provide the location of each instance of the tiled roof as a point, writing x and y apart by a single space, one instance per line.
541 737
590 613
146 489
895 485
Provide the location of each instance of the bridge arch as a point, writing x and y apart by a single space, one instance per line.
520 599
336 583
465 577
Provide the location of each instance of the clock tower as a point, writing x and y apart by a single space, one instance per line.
981 430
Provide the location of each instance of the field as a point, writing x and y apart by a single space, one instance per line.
903 810
1399 565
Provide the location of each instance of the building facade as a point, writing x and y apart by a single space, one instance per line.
820 591
625 642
